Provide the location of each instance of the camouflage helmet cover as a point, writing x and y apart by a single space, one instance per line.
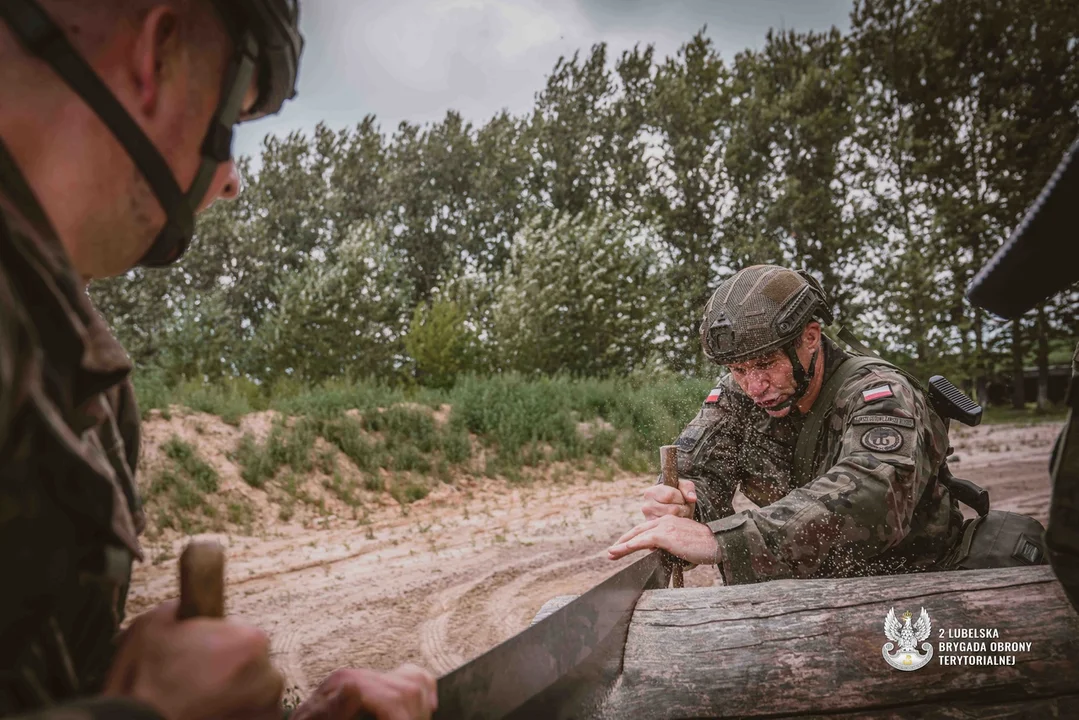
758 310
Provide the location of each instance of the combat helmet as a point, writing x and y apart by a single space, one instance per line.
266 47
761 309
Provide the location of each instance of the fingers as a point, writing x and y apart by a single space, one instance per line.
661 500
648 525
654 511
647 540
425 681
407 693
664 495
631 542
413 690
688 490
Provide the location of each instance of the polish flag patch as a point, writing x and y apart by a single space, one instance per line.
877 393
713 396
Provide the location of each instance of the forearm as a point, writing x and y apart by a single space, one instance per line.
714 500
859 509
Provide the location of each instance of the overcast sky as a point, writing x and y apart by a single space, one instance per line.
415 59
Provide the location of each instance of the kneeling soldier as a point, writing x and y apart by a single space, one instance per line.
841 452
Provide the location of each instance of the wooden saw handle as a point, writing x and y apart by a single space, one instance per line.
202 580
668 461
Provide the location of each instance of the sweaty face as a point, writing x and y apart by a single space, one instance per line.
767 380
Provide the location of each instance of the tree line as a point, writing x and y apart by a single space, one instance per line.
585 236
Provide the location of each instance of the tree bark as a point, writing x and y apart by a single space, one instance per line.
1018 393
1043 359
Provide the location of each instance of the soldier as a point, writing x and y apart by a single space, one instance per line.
116 121
840 452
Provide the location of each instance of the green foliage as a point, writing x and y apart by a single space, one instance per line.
229 399
348 435
440 343
334 317
402 425
584 236
285 445
343 489
409 492
187 459
576 295
179 490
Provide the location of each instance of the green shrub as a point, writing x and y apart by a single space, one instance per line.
409 457
151 391
440 343
409 493
343 489
224 399
347 434
187 458
256 464
455 445
404 426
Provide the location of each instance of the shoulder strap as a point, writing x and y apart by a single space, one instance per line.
809 437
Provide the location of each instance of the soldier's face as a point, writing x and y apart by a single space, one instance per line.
768 381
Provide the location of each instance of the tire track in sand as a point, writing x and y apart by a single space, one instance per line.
438 650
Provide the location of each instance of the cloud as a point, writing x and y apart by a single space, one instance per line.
416 59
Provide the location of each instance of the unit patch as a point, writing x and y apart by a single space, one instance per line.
689 437
878 393
883 420
882 439
713 397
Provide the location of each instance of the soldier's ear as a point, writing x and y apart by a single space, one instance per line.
811 336
154 56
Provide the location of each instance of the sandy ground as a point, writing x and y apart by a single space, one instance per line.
471 564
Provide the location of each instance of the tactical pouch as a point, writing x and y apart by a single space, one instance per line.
999 539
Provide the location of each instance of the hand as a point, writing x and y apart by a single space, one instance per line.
197 668
407 693
661 500
684 538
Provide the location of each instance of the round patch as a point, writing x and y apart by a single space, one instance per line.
882 439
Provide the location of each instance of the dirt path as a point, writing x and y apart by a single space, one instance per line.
471 564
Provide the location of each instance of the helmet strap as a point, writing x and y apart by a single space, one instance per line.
802 378
42 37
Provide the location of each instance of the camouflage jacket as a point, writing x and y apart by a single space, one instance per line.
69 442
871 506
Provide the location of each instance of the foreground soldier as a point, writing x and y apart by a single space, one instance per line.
860 498
94 156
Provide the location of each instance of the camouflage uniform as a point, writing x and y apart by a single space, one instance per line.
69 443
871 507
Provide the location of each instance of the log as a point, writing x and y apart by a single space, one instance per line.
555 603
806 648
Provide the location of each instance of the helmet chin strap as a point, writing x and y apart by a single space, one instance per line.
802 378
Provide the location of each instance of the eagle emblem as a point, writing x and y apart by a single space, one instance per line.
907 637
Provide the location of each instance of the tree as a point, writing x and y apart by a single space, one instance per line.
576 296
341 318
440 343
